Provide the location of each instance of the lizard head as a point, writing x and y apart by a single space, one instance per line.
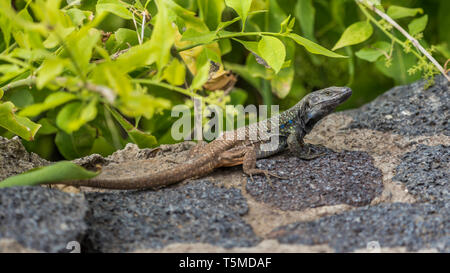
319 104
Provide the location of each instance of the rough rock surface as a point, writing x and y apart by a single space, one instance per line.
14 159
383 178
40 218
198 213
408 110
333 178
426 172
414 226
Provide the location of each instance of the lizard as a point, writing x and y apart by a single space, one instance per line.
236 147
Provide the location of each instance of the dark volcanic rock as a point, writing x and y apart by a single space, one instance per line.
14 159
408 110
334 178
41 218
197 213
414 226
426 172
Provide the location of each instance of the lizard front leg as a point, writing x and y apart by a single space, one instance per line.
302 150
247 157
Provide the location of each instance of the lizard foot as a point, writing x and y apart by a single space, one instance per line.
267 173
306 152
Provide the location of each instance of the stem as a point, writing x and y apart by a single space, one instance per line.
105 91
173 88
14 61
406 34
231 35
24 82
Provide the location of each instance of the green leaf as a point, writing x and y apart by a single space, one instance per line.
140 104
117 79
238 96
76 16
305 13
163 35
242 7
102 146
53 39
47 127
225 46
50 69
52 101
137 56
20 97
6 28
397 12
18 125
125 35
201 77
418 25
272 50
249 45
287 25
281 83
195 36
175 73
52 174
116 7
223 25
82 49
355 34
77 144
375 51
75 115
313 47
208 55
211 12
142 139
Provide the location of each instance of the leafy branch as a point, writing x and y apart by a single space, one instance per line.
371 6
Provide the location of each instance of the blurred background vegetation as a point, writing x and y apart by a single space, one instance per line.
86 123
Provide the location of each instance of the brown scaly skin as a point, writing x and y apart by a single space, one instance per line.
228 150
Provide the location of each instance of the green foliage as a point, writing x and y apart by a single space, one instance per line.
21 126
397 12
355 34
82 77
60 171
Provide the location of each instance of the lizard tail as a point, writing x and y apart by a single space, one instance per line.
200 166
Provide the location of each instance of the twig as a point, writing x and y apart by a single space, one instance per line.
105 91
137 30
142 26
114 56
407 35
23 82
388 56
